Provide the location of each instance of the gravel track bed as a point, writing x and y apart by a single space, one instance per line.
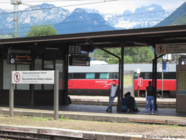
121 128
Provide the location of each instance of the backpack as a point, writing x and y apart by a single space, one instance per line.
69 100
136 106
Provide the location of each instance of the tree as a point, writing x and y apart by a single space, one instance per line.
140 54
131 55
41 30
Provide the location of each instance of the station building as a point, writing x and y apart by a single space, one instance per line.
52 53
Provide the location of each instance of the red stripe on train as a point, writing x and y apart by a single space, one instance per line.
105 84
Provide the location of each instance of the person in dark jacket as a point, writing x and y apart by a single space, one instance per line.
150 98
130 102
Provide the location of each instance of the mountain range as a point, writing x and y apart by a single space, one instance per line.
90 20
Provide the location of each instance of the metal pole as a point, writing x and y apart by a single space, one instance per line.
162 78
155 76
32 68
11 97
119 83
56 94
138 86
121 94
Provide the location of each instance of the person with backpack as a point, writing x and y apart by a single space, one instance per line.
130 102
150 98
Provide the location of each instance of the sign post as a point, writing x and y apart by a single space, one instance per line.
138 72
11 97
56 94
35 77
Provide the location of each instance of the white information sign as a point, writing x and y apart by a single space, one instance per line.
59 133
71 49
78 49
170 48
32 77
18 129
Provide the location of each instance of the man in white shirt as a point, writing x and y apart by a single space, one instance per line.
112 94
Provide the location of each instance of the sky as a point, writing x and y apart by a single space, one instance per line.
110 6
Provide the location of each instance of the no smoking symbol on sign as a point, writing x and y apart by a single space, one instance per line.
161 49
17 77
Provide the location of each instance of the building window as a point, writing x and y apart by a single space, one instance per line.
48 64
104 76
90 75
7 68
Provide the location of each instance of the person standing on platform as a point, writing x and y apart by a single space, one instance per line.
112 94
150 98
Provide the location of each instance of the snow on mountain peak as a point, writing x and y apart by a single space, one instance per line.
85 19
150 8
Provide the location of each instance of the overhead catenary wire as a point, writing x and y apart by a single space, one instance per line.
62 6
97 19
104 19
91 3
75 0
80 28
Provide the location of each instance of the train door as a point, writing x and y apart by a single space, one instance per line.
70 81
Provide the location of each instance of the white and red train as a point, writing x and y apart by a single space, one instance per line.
96 79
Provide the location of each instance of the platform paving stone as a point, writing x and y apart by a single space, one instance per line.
102 109
100 100
98 113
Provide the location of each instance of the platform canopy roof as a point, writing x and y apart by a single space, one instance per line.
104 39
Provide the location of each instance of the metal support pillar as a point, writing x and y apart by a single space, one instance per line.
162 79
154 79
138 86
11 97
32 85
120 97
56 94
119 83
155 84
65 84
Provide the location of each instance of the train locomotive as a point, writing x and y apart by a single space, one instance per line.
95 80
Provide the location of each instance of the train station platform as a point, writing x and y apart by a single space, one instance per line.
103 101
97 113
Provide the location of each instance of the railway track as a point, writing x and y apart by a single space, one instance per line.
27 136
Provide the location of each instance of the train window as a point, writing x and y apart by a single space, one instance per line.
97 76
147 76
78 75
169 75
159 75
116 75
90 75
104 76
69 77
